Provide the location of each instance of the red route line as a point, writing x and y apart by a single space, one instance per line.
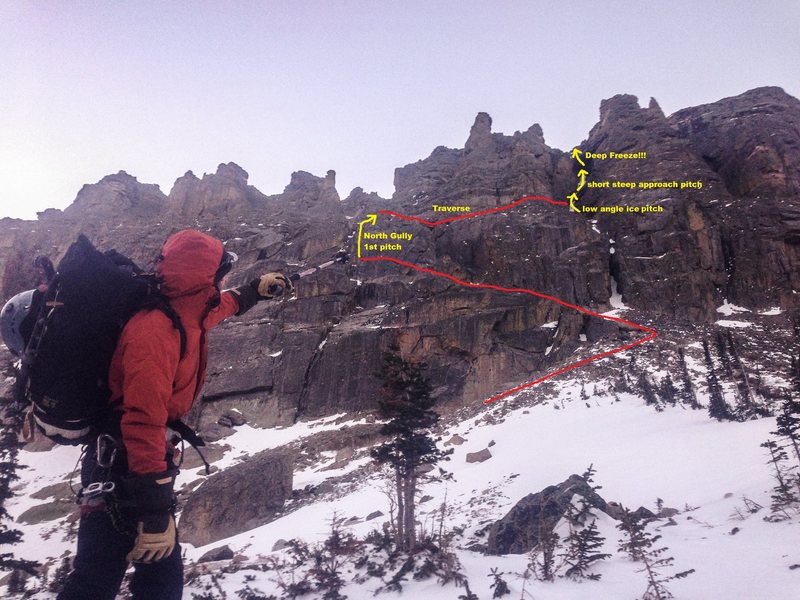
470 215
651 333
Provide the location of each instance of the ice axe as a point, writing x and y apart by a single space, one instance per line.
340 257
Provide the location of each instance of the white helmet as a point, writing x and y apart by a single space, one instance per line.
11 321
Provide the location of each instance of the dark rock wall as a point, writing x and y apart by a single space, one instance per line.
737 238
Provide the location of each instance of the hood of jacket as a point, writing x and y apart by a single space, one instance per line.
190 261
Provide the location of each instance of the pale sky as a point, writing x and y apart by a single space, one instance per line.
160 88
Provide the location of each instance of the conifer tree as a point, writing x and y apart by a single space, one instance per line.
724 358
717 407
687 393
10 425
584 396
583 545
407 403
668 391
640 545
588 477
543 556
636 539
788 421
647 391
499 586
783 494
749 407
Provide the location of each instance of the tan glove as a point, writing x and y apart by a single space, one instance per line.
152 496
272 285
152 546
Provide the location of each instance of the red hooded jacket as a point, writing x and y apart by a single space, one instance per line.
149 380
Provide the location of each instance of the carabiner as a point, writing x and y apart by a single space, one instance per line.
103 442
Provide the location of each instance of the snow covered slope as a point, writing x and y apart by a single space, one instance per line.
703 468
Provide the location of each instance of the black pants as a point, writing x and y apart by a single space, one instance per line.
105 536
100 566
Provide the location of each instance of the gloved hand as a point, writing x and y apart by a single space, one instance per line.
155 538
153 499
271 285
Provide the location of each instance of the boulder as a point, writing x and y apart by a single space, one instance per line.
520 529
219 553
423 469
215 432
235 417
237 499
615 510
49 511
344 455
479 457
645 514
58 491
211 452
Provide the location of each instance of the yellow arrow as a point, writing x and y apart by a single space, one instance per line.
582 174
372 220
572 197
576 154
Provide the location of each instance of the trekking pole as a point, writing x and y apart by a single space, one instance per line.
341 257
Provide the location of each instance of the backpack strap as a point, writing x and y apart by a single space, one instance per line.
162 303
188 434
176 322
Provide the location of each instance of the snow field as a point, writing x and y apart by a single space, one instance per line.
679 455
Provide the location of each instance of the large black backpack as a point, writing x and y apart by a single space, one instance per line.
71 340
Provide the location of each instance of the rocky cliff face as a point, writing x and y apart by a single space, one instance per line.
736 238
731 239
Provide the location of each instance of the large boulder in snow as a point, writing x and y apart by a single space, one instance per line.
535 514
239 498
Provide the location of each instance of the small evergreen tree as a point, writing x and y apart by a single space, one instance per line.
543 557
654 563
788 421
794 375
640 546
583 545
499 585
468 593
407 403
578 516
783 494
330 557
588 477
634 542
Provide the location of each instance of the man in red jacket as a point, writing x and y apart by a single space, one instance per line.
156 374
